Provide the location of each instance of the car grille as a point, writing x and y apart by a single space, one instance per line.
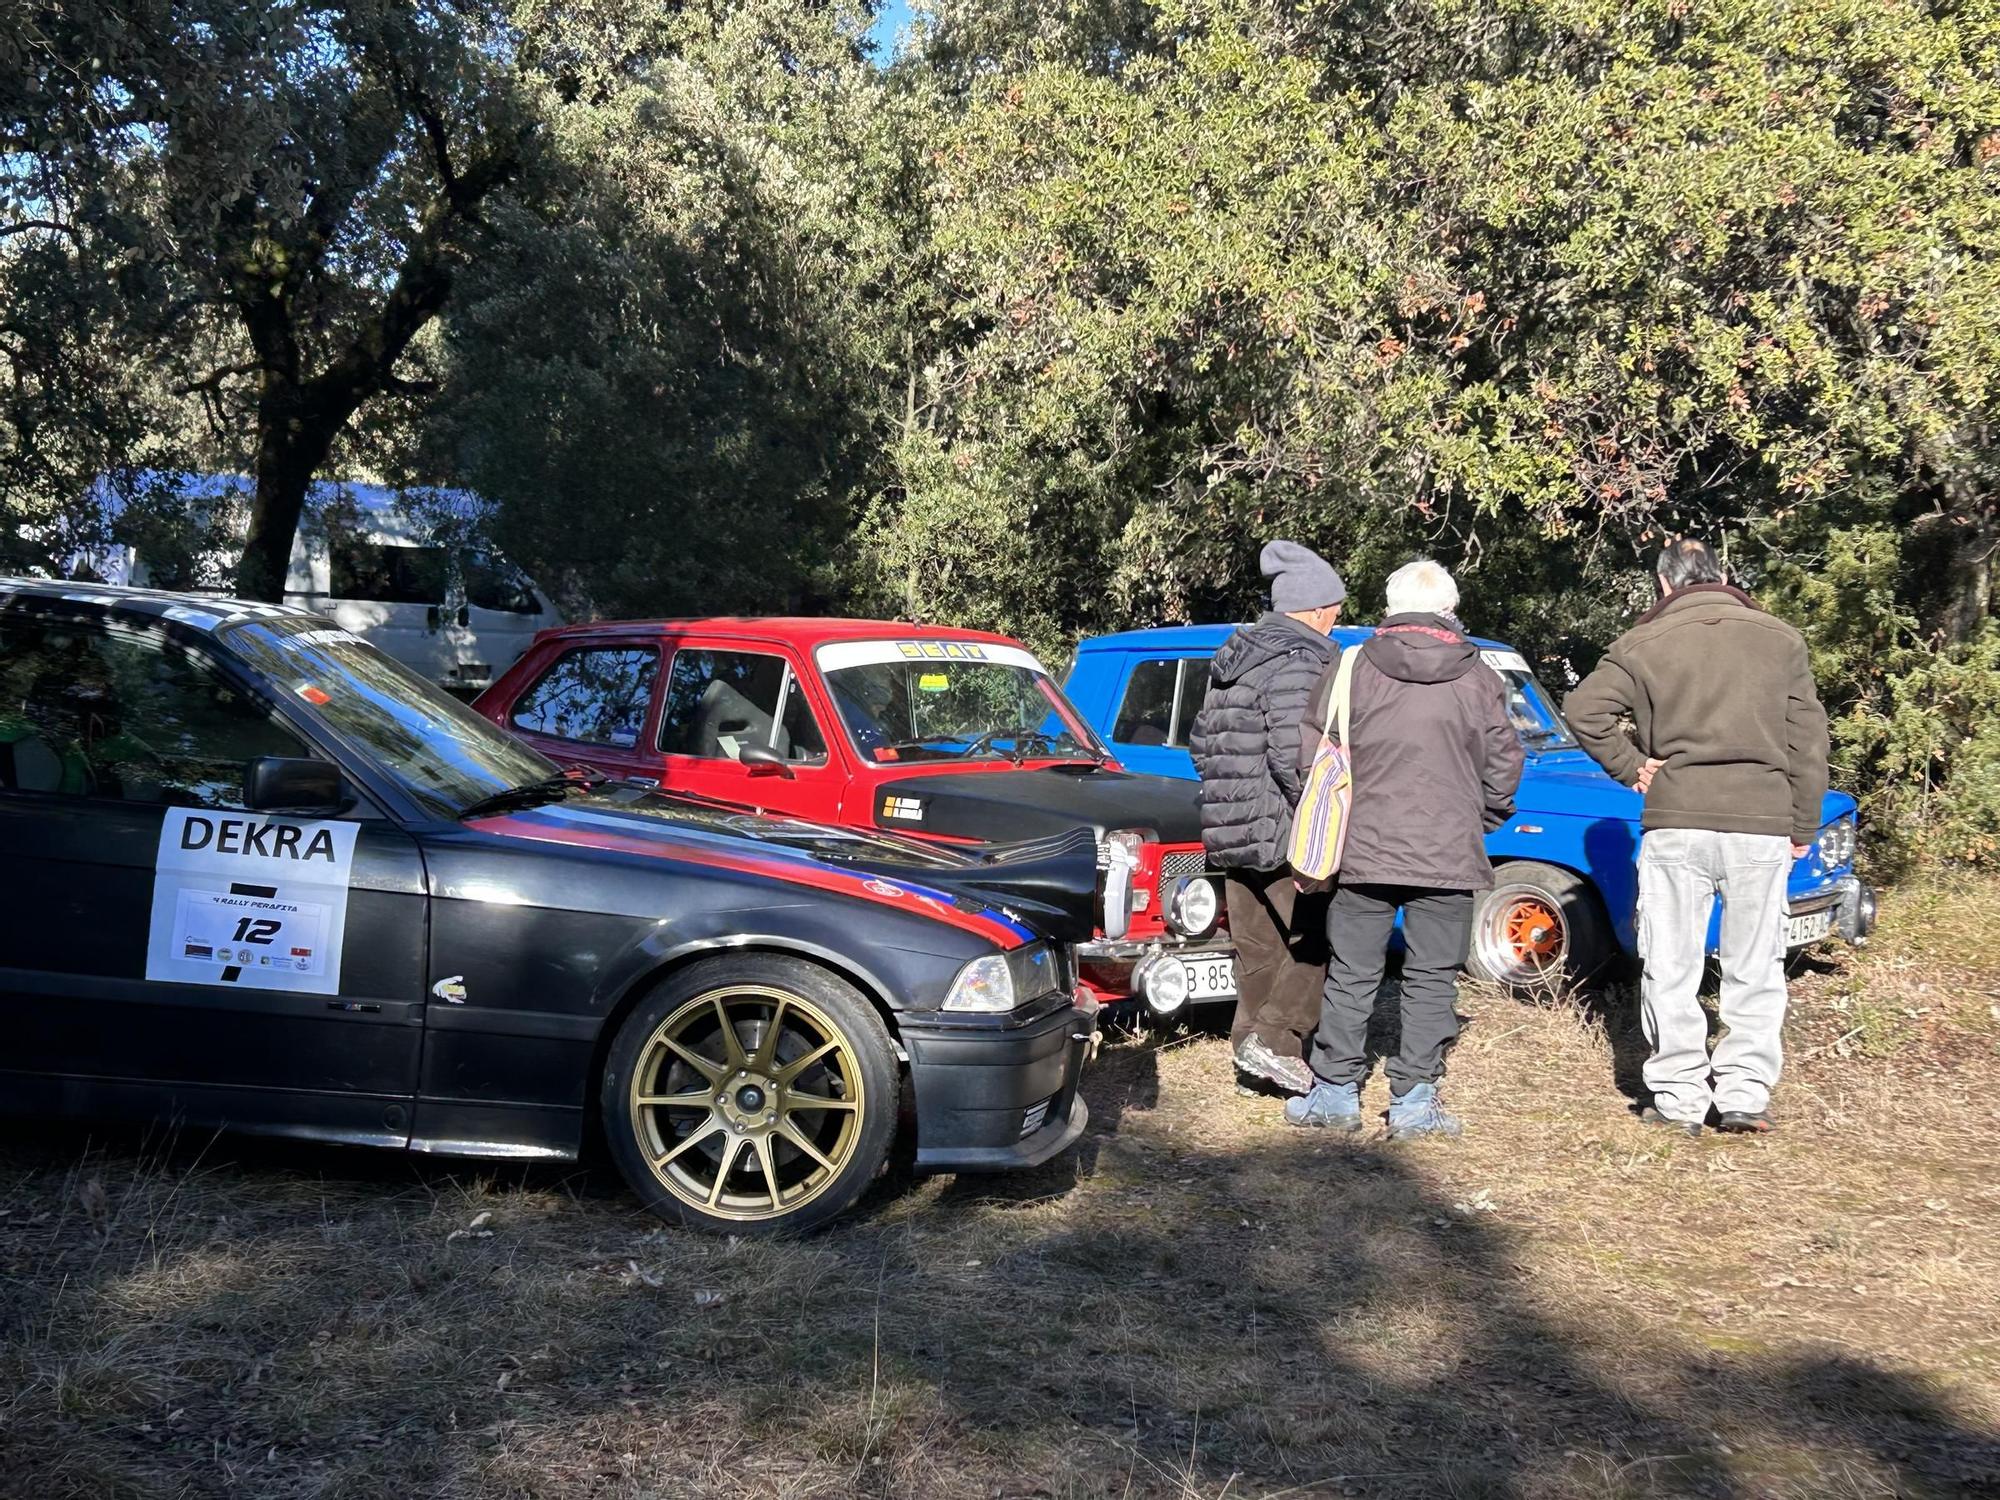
1192 862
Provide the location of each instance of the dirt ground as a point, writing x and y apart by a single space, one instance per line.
1199 1302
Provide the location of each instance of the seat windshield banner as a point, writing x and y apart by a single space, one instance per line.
252 900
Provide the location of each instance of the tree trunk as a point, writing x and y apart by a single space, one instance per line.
291 445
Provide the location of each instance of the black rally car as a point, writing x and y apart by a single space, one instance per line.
254 874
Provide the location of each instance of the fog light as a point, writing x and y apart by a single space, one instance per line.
1194 907
1163 985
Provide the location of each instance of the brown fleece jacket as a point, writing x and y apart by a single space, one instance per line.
1722 693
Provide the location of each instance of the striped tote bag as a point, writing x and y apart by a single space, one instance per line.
1319 826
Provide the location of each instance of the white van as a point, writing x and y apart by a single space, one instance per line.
407 570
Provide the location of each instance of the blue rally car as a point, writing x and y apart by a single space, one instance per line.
1565 865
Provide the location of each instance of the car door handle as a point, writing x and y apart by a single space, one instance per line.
643 780
361 1007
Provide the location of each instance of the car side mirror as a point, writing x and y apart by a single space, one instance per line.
294 784
762 760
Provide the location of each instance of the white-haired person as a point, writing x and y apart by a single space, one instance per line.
1436 762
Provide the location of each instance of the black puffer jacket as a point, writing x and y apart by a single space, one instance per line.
1246 740
1436 758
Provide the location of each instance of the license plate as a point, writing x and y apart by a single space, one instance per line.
1809 928
1210 978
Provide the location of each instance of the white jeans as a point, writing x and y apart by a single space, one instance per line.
1681 872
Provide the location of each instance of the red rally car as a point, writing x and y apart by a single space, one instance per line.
938 733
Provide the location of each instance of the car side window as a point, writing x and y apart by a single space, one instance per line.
597 695
720 701
92 710
1146 717
1194 688
1161 699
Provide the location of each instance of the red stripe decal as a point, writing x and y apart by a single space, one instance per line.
814 877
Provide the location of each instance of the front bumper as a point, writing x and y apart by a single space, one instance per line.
1852 903
994 1093
1112 968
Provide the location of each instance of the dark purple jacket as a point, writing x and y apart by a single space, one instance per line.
1436 759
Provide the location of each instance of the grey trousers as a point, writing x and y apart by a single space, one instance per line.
1437 930
1681 872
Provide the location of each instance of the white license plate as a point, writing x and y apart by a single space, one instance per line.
1809 928
1210 978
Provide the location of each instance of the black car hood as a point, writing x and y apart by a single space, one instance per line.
1005 806
1050 885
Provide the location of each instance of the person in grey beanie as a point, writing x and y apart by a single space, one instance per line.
1245 744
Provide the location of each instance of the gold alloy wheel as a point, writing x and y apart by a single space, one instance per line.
747 1102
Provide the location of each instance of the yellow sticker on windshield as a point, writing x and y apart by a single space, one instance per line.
933 682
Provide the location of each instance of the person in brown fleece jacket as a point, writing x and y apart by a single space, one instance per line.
1729 746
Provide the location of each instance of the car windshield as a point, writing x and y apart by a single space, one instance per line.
952 700
439 751
1534 716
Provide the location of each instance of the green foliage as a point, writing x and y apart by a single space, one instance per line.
1916 719
1525 284
665 379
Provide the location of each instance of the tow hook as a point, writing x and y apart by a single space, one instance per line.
1092 1040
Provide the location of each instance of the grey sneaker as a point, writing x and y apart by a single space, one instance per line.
1651 1116
1288 1073
1419 1112
1333 1106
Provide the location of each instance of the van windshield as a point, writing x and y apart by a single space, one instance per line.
439 751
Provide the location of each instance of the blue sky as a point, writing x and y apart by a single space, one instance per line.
895 15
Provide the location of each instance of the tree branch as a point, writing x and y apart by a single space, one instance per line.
27 226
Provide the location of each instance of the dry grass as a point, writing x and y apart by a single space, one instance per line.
1200 1303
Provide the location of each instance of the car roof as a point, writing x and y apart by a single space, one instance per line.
1187 640
796 630
148 604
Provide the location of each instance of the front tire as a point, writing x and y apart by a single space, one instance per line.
1540 930
751 1095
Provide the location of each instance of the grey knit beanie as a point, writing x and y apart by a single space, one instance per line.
1300 578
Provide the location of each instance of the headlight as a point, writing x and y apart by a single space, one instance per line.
1194 907
985 984
1118 857
1837 842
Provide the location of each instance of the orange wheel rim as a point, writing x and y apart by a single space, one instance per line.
1532 929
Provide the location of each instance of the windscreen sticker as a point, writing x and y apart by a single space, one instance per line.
837 655
199 619
331 637
251 900
1504 661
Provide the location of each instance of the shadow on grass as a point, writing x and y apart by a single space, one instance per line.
1303 1316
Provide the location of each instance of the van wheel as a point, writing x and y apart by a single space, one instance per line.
1540 929
750 1095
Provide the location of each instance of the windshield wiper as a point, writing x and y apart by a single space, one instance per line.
535 793
1543 735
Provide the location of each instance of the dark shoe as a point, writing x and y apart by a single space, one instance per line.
1746 1122
1651 1116
1289 1073
1250 1086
